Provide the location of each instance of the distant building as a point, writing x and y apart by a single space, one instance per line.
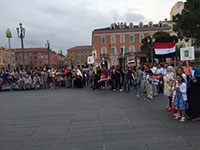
119 43
176 9
5 59
78 55
38 57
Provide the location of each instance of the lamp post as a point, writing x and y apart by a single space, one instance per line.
9 35
48 48
21 35
151 41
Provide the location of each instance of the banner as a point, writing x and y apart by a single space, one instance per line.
165 49
94 54
90 60
187 53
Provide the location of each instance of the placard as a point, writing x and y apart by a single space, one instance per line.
90 60
187 53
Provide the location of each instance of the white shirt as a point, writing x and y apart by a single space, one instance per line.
183 89
159 71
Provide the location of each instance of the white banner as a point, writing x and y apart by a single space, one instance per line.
187 53
94 54
90 60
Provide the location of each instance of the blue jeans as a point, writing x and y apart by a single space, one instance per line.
126 84
139 89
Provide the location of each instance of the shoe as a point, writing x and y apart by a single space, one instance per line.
114 90
168 108
120 90
183 119
177 116
147 99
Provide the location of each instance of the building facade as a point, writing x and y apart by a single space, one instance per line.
176 9
38 57
7 58
78 55
119 43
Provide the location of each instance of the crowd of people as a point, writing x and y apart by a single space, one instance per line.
181 84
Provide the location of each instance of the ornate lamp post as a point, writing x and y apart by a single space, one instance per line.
151 41
48 48
21 35
9 35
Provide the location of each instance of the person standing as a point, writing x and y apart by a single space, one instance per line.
194 95
168 81
138 78
117 78
126 79
180 99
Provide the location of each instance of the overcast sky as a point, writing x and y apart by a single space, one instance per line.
68 23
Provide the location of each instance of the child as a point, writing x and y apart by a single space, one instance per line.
180 99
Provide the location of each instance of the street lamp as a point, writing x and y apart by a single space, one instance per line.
9 35
151 41
21 35
48 48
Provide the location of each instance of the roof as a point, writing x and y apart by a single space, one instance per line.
135 28
81 47
31 49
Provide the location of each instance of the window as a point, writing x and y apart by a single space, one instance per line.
46 56
103 40
113 50
82 61
122 39
81 51
77 56
132 49
35 53
141 37
46 62
150 24
85 51
141 24
132 38
103 50
30 57
82 56
40 62
35 57
113 40
46 53
35 62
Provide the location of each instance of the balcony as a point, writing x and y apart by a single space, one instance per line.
104 55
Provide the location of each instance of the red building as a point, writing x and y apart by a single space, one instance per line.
38 57
78 55
116 44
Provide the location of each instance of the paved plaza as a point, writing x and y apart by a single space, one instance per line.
82 119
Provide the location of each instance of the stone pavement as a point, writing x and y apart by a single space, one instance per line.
81 119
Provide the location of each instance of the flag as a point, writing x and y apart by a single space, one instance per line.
165 49
131 61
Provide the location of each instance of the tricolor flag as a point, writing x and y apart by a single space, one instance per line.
131 61
165 49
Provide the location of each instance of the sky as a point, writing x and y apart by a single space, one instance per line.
69 23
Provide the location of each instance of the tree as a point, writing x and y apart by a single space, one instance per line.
187 24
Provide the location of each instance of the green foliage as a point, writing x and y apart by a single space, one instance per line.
188 22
